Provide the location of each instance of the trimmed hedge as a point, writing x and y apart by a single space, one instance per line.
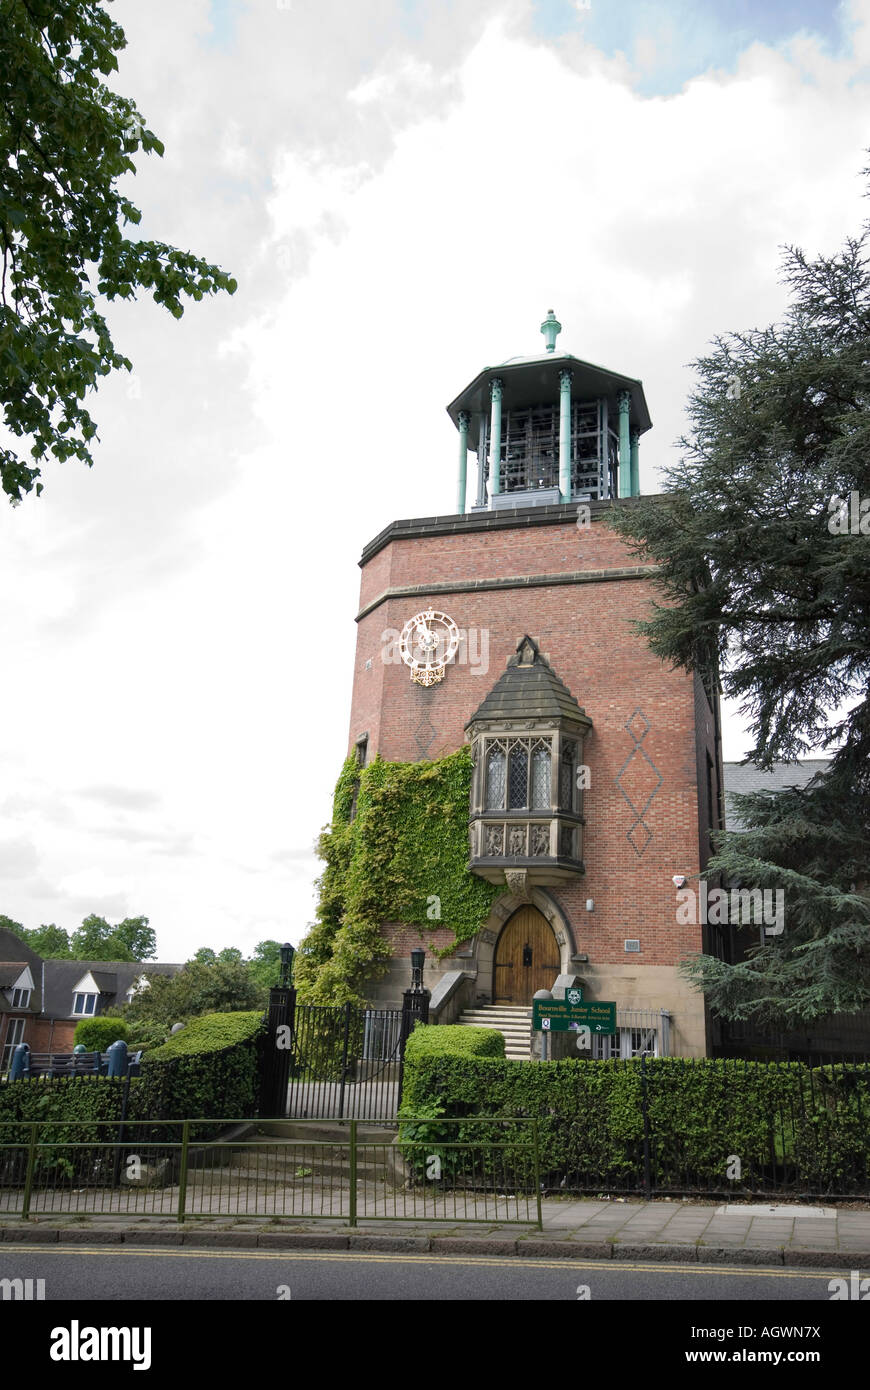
209 1068
789 1125
98 1034
419 1140
443 1040
208 1033
55 1103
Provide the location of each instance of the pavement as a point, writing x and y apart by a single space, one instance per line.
588 1228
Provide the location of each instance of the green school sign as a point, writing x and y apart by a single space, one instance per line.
560 1016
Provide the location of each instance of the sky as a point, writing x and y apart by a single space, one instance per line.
402 188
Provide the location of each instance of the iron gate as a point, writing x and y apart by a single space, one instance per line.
346 1063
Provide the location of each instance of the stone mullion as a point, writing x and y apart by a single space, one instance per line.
555 792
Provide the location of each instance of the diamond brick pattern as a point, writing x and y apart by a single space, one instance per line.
638 779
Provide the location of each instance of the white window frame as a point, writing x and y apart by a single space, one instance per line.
15 1026
626 1043
136 987
86 997
21 998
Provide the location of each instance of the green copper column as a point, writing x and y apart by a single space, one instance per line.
481 462
464 422
565 379
623 401
635 463
496 387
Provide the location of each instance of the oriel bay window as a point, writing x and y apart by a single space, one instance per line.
526 814
518 774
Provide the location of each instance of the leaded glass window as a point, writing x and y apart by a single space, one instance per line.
518 774
495 777
568 776
518 777
540 777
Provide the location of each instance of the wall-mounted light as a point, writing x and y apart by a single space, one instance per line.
418 956
286 953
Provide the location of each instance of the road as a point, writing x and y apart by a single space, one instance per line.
93 1272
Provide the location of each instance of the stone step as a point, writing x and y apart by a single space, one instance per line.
522 1026
512 1021
490 1022
517 1015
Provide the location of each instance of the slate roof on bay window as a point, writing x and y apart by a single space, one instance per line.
529 689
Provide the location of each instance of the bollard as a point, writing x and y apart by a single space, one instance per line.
20 1062
117 1055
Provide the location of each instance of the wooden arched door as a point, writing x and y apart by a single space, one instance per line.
526 958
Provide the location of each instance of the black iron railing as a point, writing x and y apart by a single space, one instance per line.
351 1174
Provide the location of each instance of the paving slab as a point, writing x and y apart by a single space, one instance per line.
586 1228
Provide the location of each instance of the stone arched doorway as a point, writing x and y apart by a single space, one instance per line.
527 957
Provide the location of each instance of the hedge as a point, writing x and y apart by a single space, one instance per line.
55 1103
442 1040
208 1069
420 1140
98 1034
789 1125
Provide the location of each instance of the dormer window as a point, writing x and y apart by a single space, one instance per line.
17 984
89 988
526 802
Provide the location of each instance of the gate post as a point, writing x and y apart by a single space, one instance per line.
415 1009
277 1051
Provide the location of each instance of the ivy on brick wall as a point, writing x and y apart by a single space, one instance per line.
403 857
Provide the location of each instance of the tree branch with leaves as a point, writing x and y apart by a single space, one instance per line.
66 139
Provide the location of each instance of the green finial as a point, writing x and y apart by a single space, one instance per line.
551 328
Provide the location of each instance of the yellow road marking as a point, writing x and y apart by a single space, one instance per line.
394 1257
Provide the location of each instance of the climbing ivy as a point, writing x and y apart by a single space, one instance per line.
402 858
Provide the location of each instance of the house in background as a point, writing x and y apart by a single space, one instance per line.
41 1001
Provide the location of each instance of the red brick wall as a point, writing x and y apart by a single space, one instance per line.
47 1035
403 938
43 1035
585 631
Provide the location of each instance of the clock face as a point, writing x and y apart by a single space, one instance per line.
428 642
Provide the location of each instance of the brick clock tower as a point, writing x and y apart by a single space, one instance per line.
597 770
